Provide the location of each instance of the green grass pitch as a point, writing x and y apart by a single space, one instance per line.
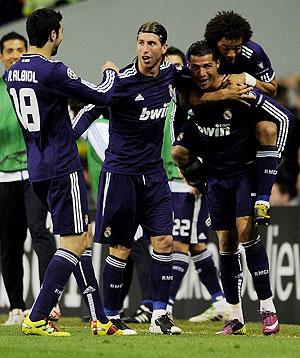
197 340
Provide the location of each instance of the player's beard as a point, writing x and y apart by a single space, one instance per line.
54 50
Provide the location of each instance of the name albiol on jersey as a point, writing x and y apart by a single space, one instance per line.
154 113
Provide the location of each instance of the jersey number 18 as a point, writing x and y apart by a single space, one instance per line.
27 108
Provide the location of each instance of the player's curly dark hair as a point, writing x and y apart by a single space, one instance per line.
227 24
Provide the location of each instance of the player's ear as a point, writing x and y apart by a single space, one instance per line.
164 48
218 63
53 36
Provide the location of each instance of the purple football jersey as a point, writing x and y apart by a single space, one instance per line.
253 60
223 134
138 106
39 89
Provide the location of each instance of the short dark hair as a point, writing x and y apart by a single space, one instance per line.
12 36
40 24
154 28
201 48
175 51
227 24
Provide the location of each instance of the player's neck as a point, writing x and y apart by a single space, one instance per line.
149 72
44 51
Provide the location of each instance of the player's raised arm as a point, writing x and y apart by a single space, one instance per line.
64 80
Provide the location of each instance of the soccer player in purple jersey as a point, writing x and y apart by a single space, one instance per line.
230 34
39 89
191 227
223 135
133 187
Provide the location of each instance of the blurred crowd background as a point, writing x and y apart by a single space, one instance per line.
11 10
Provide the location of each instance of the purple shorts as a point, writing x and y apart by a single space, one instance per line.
229 198
66 199
126 201
191 218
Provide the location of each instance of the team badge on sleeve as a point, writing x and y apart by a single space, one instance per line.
72 74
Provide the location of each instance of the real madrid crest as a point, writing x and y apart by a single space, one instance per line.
107 231
227 114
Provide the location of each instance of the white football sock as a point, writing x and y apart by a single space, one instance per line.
157 313
236 312
267 305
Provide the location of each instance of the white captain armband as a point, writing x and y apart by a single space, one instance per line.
250 80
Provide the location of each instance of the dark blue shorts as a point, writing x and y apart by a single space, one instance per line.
126 201
191 219
229 198
66 199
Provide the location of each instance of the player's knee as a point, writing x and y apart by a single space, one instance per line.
180 155
89 236
228 240
266 133
180 247
162 243
74 243
122 252
245 228
194 249
227 246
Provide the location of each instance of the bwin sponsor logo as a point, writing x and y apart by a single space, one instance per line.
261 273
154 113
217 131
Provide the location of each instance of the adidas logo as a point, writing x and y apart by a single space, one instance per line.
89 289
139 97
